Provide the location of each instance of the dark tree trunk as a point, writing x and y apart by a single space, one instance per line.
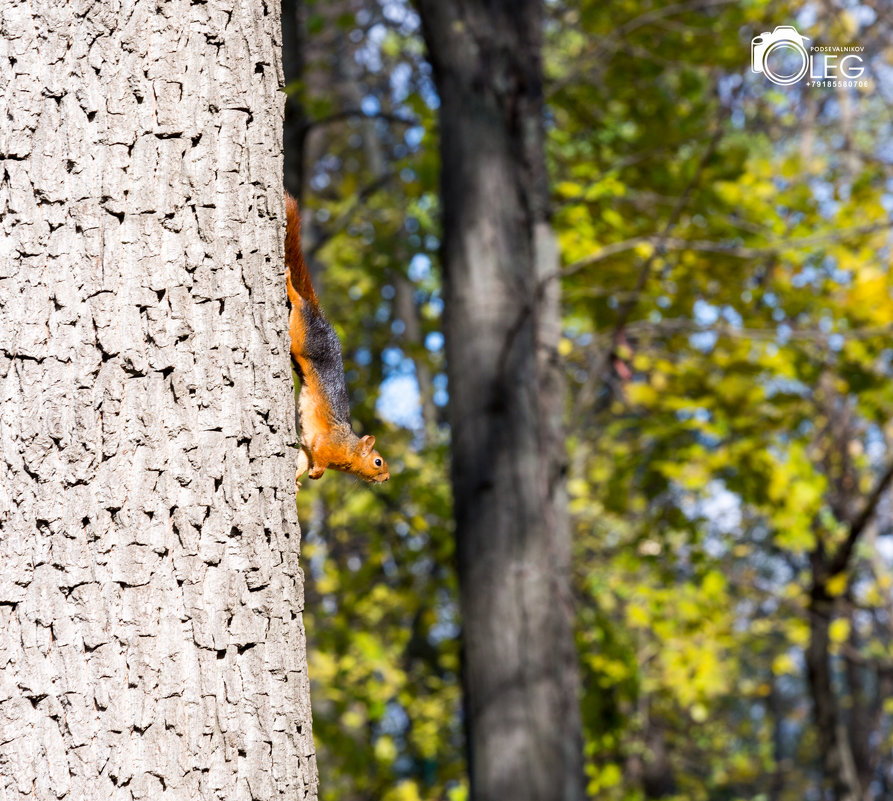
295 123
861 723
506 398
844 734
838 765
657 774
776 712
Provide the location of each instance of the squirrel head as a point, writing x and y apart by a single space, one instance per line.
367 462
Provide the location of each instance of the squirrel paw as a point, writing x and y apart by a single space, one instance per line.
303 462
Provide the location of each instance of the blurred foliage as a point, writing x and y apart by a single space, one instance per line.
728 310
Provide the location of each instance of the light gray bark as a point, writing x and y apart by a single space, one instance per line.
151 640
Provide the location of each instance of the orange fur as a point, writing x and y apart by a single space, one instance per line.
297 274
325 440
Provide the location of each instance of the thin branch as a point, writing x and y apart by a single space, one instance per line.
672 325
605 252
657 14
725 249
841 559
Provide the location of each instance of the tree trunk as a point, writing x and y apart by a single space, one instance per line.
294 125
838 766
861 720
776 713
506 401
151 642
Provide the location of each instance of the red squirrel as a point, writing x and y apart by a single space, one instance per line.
327 439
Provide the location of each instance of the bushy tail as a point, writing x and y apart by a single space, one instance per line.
296 274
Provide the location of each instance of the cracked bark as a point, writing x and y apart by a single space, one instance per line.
151 640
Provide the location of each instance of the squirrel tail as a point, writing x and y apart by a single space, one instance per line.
297 275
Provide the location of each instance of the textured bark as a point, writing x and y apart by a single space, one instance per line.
151 641
506 400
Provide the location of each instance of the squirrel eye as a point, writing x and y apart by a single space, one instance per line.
378 462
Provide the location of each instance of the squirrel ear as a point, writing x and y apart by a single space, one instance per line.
366 444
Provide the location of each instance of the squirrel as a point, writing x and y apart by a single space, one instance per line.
327 439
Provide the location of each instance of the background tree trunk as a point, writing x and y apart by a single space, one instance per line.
151 642
294 126
837 758
506 402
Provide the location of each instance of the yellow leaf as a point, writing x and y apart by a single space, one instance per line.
714 584
784 663
613 218
837 584
386 751
798 632
353 719
459 793
637 615
568 189
577 488
641 393
406 790
611 775
602 778
644 250
839 630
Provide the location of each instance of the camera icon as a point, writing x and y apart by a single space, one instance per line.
791 59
